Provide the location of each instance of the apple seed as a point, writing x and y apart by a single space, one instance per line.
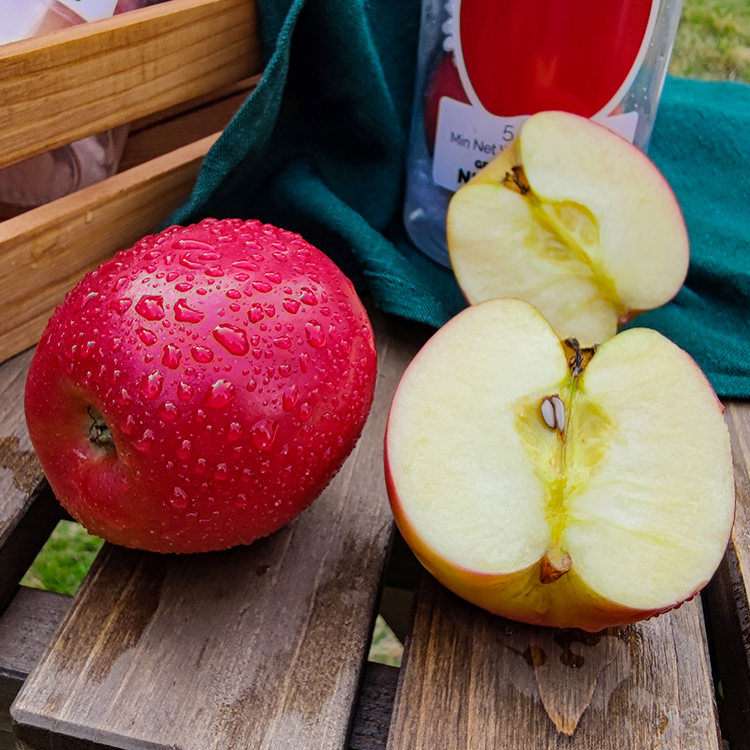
553 413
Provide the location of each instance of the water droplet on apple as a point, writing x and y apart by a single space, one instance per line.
185 391
183 286
120 305
151 385
171 356
234 293
202 354
304 362
263 434
147 337
305 411
183 313
241 500
220 394
183 452
168 412
129 425
291 305
262 286
308 296
221 473
150 307
235 432
255 314
316 336
232 338
123 397
273 277
179 498
289 398
283 342
146 441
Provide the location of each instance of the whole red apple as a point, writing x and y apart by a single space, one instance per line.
199 390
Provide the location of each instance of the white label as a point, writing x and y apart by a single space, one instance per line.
468 137
91 10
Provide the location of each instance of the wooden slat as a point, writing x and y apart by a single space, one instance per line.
471 680
28 512
728 594
26 628
58 88
257 647
45 251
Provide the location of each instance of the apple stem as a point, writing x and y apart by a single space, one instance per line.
550 570
99 432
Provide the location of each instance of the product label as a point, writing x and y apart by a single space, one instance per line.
91 10
468 137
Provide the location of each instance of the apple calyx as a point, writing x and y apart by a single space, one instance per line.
99 432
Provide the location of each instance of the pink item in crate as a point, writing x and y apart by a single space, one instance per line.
54 174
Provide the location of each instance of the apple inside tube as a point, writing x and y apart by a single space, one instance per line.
573 219
557 485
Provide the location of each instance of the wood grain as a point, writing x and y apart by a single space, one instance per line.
88 78
471 680
26 628
258 647
28 511
728 595
44 252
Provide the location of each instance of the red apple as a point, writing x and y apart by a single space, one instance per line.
199 390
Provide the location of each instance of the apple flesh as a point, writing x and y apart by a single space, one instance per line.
573 219
556 485
199 390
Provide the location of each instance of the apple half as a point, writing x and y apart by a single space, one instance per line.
556 485
574 219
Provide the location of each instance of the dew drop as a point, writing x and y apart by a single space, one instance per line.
262 286
316 336
273 277
221 473
255 314
150 307
241 500
171 276
232 338
235 432
304 361
129 425
211 255
183 313
168 412
151 385
220 394
171 356
188 262
305 411
202 354
123 397
234 293
183 286
215 271
283 342
147 337
263 434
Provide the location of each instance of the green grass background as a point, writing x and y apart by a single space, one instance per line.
713 42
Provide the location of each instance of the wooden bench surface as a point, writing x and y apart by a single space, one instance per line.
266 646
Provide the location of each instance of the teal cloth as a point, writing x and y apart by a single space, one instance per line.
319 148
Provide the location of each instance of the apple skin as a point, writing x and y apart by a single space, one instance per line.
234 366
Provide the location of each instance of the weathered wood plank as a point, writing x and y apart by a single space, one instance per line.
257 647
47 250
471 680
26 628
372 717
28 511
728 595
88 78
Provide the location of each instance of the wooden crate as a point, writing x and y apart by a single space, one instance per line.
266 646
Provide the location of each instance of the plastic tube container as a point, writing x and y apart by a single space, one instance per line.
485 66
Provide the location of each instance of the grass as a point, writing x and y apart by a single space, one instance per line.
713 43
